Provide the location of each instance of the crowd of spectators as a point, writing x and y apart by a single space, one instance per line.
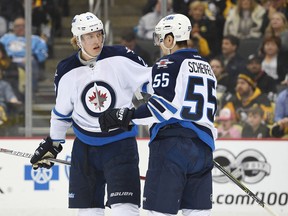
149 20
46 24
245 42
15 45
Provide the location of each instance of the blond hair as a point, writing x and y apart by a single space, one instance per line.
74 43
204 5
269 31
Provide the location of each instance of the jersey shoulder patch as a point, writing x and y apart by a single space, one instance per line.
168 62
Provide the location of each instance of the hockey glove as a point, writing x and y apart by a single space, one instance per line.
116 118
46 149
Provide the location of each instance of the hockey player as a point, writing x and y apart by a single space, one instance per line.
181 111
87 83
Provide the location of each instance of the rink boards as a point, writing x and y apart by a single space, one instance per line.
260 164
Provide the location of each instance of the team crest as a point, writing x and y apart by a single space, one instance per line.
98 97
163 63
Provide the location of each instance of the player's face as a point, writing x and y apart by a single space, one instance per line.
92 42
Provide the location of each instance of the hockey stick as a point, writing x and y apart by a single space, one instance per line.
28 155
244 188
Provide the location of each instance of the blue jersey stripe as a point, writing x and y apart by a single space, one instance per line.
167 105
99 139
156 113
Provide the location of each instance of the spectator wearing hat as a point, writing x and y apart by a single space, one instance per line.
226 126
255 126
265 83
247 95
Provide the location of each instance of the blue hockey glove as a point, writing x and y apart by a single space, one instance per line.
116 118
47 149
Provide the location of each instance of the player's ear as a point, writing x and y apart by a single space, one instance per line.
170 39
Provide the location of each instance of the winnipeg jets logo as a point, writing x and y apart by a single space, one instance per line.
98 97
163 63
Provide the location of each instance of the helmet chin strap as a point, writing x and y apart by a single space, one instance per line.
92 57
83 50
168 49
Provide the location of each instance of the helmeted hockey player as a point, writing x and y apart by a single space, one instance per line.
181 113
88 83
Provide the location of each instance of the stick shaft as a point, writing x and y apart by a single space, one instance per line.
28 155
244 188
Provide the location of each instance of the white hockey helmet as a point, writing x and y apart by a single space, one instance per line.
177 24
85 23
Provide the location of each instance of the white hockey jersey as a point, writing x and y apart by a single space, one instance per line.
184 92
83 92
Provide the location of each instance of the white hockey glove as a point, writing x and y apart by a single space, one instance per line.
47 149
